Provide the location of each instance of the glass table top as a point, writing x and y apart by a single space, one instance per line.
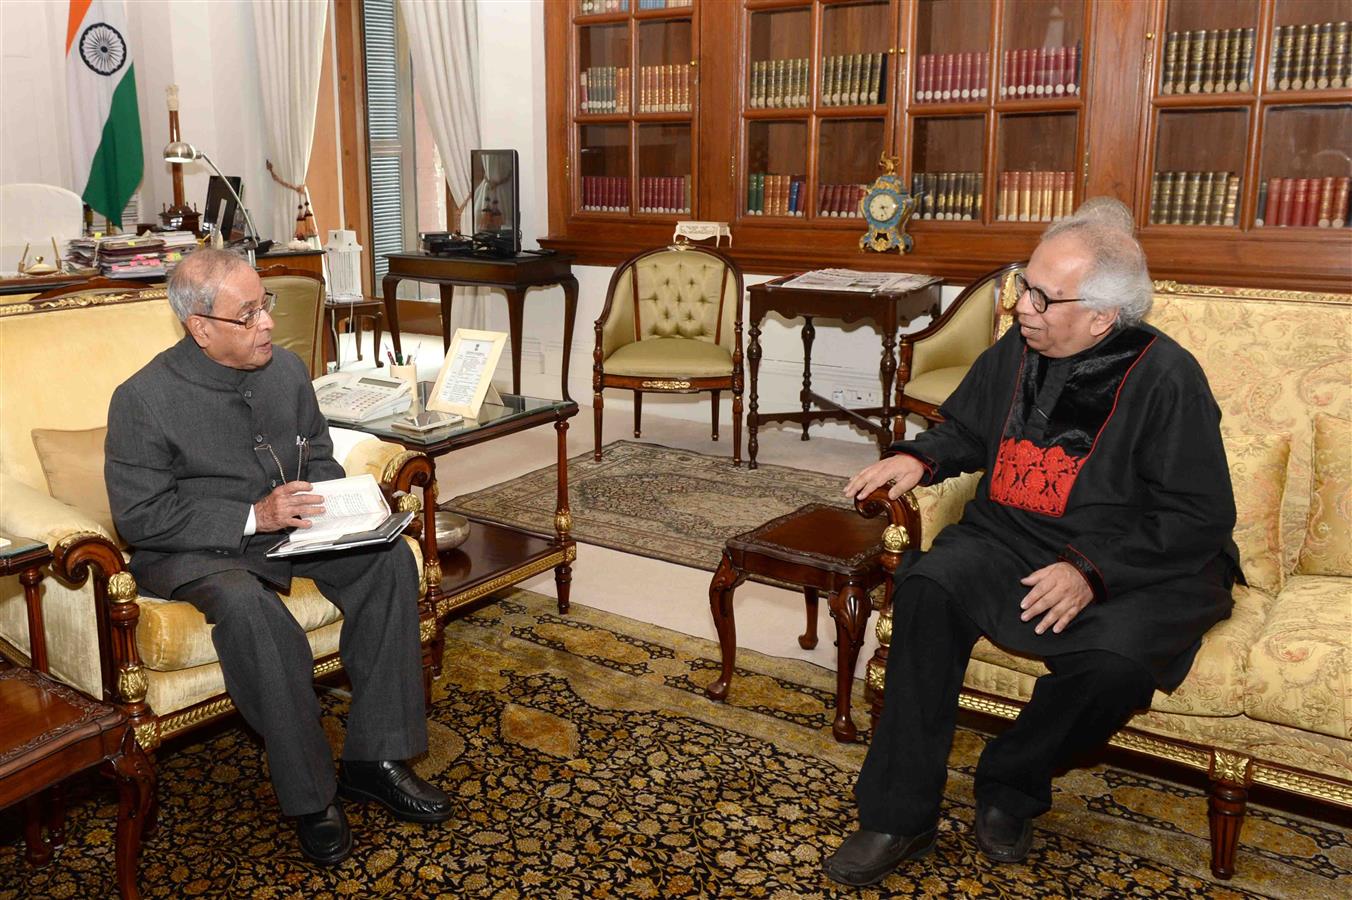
513 408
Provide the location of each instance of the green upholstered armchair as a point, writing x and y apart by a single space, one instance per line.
935 359
672 324
299 313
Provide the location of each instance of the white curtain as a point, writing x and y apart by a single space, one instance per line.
443 37
290 39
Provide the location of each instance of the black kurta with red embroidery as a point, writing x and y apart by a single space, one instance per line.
1110 460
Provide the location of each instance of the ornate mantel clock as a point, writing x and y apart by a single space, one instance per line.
887 206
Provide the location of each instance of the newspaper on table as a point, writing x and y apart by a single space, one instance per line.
863 282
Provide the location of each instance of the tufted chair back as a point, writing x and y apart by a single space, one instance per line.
672 324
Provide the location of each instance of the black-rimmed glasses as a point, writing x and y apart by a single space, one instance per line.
250 318
1037 296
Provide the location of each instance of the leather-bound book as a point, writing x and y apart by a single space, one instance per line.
1179 83
978 194
1341 69
1300 58
1276 188
1289 212
1328 188
1166 84
1338 219
1203 213
1192 186
1209 62
1245 71
1156 192
1285 40
1025 200
1323 55
1260 210
1006 72
1220 186
1231 215
1196 61
1220 69
1300 203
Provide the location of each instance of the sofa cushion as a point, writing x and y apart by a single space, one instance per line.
1327 548
669 356
937 385
1300 667
1258 474
72 461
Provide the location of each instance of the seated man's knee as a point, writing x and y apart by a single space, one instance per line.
234 598
1113 672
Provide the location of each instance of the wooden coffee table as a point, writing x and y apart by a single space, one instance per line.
820 548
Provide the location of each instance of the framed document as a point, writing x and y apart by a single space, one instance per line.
467 374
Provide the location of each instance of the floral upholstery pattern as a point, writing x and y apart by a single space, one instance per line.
1258 476
1327 549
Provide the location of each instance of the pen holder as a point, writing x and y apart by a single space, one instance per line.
408 373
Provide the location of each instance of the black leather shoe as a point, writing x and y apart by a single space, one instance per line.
324 835
866 857
393 785
1000 836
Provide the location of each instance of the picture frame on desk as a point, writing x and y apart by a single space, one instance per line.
466 376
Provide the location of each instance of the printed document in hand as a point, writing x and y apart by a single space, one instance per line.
355 514
863 282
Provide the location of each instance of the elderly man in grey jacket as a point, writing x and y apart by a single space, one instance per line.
210 453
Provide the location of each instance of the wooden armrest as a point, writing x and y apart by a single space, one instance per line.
903 523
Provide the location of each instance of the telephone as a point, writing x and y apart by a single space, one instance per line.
356 399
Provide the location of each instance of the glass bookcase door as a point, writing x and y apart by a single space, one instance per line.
1208 47
1043 49
1305 167
603 168
664 169
776 167
779 43
1310 46
604 83
948 164
1035 166
847 162
1198 181
854 63
952 51
665 51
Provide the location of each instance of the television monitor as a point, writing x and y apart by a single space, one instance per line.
221 212
496 211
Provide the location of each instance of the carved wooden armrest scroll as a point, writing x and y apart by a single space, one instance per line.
902 532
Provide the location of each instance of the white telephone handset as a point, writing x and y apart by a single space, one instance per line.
349 397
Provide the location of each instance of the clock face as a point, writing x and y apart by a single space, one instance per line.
882 206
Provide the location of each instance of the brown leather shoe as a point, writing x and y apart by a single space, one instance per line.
393 785
324 836
866 857
1001 836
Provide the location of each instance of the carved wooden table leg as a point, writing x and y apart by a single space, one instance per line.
808 639
563 517
721 589
753 355
136 790
809 334
388 286
850 608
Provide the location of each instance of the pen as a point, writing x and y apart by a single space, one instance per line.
390 354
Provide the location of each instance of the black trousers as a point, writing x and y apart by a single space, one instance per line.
269 668
1087 697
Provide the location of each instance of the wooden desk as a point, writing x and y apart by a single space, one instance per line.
514 276
887 311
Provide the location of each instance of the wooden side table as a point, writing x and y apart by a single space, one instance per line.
353 311
514 275
49 732
887 312
821 548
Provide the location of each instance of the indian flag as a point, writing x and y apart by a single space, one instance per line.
105 125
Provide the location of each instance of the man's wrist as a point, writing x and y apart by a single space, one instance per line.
1088 571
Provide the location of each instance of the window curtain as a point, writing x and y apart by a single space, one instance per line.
443 38
290 39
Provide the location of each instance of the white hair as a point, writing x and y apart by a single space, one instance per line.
1117 277
1105 210
196 280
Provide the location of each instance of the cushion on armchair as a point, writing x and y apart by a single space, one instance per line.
1327 549
73 464
1258 476
668 356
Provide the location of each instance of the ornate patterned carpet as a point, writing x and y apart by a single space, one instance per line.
675 505
584 761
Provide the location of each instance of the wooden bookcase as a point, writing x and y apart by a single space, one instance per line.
766 109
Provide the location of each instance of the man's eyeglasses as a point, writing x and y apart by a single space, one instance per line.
1037 296
250 318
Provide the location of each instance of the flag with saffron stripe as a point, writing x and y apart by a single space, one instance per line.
105 123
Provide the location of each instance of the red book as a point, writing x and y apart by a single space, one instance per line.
1328 190
1074 79
950 76
1311 218
1288 202
968 76
1028 77
1273 214
924 79
1041 72
1340 202
1058 69
983 74
840 199
1006 72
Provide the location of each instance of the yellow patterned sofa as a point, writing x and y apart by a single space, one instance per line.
60 361
1269 698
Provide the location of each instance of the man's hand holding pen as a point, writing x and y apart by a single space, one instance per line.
287 507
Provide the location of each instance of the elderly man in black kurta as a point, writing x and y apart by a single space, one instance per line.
1099 541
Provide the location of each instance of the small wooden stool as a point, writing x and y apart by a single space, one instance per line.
821 548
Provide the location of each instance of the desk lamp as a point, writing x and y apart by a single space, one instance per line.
183 152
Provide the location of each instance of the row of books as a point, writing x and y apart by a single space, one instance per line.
664 88
952 76
604 89
1303 202
779 83
1041 72
840 201
664 194
1194 198
596 7
1024 196
1207 62
855 79
1311 57
605 193
947 196
775 195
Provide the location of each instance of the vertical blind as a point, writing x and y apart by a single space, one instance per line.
382 123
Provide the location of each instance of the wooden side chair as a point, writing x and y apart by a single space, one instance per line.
934 360
672 324
299 315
